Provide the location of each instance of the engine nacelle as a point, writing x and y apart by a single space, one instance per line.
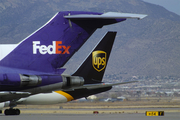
30 80
72 81
4 104
19 80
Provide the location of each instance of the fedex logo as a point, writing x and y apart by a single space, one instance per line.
55 48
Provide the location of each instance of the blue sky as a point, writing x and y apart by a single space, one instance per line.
171 5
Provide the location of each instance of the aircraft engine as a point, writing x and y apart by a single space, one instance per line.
2 105
19 80
72 81
30 80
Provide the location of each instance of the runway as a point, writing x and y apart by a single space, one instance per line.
100 110
86 113
124 116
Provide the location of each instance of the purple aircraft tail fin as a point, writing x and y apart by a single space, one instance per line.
52 45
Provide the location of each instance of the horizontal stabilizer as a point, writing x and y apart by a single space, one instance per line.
108 15
98 85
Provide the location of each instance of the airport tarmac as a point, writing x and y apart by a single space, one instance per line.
100 110
125 116
80 112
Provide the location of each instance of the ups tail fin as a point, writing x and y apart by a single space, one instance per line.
93 68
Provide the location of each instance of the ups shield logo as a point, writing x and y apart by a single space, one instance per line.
99 60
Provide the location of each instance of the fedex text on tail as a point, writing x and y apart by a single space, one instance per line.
55 48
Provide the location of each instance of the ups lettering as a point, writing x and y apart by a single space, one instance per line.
99 61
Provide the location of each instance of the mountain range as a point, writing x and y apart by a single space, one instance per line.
147 47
